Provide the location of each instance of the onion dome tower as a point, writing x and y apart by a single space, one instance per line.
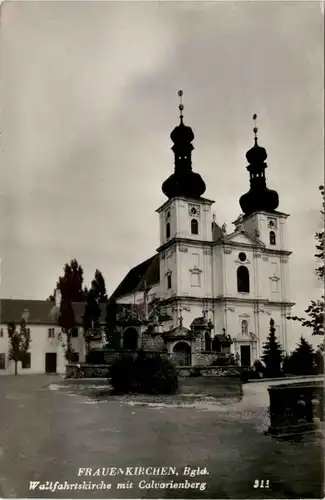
259 197
183 182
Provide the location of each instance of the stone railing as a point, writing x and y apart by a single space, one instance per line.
297 407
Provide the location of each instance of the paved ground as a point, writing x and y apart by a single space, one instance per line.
49 429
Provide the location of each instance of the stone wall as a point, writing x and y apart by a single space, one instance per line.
209 371
153 342
200 343
207 357
83 370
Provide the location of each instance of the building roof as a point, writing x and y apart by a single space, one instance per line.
145 273
39 312
33 311
179 332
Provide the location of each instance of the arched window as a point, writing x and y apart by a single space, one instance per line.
194 226
272 238
244 327
167 230
242 279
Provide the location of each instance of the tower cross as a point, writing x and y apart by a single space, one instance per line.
181 106
255 129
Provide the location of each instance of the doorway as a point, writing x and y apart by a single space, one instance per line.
130 339
50 362
245 355
182 354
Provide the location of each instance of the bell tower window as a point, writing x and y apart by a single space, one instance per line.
168 230
169 281
243 279
272 238
194 226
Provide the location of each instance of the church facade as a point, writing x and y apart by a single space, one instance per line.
204 283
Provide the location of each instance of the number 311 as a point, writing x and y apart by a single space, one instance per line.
261 483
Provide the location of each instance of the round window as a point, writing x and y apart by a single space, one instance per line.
242 256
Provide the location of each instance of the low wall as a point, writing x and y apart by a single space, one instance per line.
296 407
83 370
208 371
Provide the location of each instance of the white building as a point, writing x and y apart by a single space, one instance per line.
46 352
240 280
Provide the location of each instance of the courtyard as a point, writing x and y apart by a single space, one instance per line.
51 428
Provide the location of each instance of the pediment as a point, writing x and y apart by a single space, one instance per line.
242 237
250 336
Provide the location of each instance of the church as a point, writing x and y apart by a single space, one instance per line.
204 284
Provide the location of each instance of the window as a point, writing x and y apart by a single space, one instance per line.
167 230
74 332
242 279
244 327
169 281
272 238
26 360
2 361
194 226
1 332
242 256
51 333
195 279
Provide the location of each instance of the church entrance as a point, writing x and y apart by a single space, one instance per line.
130 339
182 354
245 355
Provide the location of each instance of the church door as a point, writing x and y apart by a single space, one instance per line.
182 354
245 355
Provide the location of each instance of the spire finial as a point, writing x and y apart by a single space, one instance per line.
255 129
181 106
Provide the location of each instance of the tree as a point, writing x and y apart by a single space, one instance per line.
98 285
91 317
67 320
315 311
272 354
19 342
302 360
72 281
319 360
112 338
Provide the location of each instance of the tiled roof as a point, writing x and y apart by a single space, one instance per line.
147 271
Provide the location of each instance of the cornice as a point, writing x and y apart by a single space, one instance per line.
190 241
227 299
221 243
203 201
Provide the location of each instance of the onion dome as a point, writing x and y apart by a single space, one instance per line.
259 197
183 182
182 133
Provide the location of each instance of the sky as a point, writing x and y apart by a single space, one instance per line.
89 98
